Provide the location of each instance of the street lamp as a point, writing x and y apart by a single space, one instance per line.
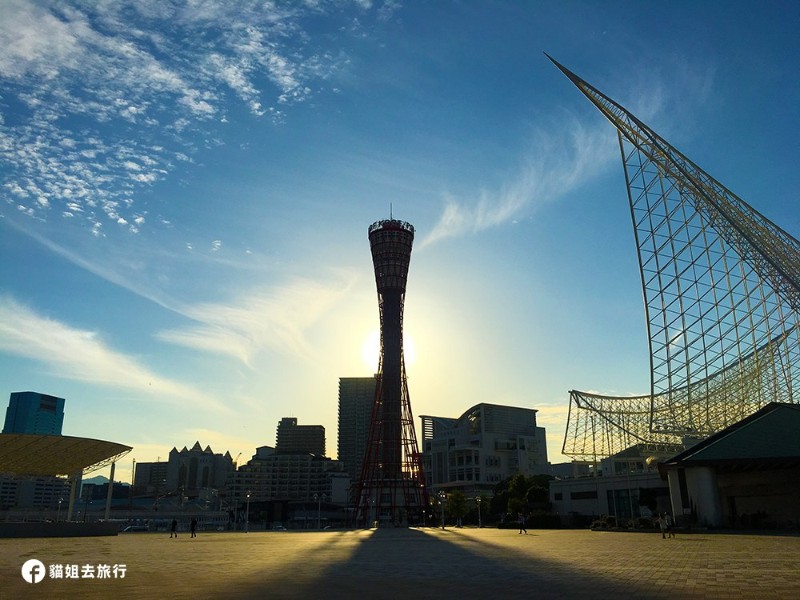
58 514
442 497
478 500
319 500
247 514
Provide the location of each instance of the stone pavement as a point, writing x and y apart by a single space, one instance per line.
411 563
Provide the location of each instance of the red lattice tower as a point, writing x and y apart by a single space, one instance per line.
391 489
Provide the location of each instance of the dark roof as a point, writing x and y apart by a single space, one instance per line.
770 434
33 454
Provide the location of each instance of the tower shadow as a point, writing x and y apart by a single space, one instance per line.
392 563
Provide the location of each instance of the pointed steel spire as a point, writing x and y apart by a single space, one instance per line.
776 253
721 285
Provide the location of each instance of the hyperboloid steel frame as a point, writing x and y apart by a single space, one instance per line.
391 488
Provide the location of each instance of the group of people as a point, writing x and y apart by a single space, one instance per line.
173 532
666 525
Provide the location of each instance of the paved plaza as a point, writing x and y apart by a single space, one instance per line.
410 563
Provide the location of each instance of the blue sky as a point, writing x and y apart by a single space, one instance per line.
186 187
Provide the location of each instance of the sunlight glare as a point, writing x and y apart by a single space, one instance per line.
370 350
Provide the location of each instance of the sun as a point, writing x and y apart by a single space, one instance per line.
371 349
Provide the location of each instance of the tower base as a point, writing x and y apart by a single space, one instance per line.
392 503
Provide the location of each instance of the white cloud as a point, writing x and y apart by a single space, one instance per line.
83 356
557 164
114 68
276 319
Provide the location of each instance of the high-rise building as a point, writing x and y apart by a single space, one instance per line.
32 412
292 438
391 489
150 477
356 395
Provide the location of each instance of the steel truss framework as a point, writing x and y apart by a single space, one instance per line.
391 487
721 286
398 499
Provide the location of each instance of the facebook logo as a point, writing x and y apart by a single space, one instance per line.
33 571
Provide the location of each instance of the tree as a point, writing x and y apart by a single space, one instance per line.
457 505
517 505
517 494
538 494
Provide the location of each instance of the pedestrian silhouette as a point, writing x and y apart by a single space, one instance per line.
173 532
521 519
669 524
194 527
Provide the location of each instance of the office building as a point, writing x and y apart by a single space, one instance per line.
292 438
150 477
32 412
356 395
485 445
34 492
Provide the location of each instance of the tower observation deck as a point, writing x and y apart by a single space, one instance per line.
390 489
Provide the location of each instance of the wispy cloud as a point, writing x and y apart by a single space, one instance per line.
571 152
561 159
274 313
275 319
101 101
82 355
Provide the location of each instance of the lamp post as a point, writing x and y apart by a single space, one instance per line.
478 500
442 497
247 514
58 514
319 499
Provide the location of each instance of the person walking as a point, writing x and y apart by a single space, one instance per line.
173 532
669 524
521 519
662 524
193 527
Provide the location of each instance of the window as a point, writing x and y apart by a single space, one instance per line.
587 495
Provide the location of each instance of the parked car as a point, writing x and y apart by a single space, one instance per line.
279 527
133 528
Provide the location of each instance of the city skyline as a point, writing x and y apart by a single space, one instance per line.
183 225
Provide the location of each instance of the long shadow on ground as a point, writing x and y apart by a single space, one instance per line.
394 563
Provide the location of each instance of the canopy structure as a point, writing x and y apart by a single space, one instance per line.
55 455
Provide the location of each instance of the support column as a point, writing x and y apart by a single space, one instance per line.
74 479
110 490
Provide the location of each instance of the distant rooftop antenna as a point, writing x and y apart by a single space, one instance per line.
390 211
